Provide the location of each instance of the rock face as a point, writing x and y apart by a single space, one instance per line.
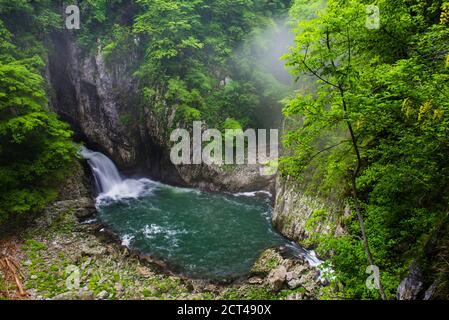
75 198
92 97
428 276
101 102
417 286
232 179
298 216
412 285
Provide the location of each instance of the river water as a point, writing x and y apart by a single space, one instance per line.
204 235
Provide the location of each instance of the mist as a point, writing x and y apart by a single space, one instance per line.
266 46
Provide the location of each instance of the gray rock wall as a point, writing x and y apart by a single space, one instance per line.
298 215
95 97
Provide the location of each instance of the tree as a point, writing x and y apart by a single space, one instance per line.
35 147
354 131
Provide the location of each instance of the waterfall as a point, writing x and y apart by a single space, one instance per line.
104 170
108 180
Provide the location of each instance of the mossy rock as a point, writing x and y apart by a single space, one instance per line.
268 260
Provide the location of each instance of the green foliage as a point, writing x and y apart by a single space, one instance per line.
35 147
305 9
189 101
191 55
232 124
201 60
120 45
197 57
391 85
30 21
192 59
105 23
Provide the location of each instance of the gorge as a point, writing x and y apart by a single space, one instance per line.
356 91
206 235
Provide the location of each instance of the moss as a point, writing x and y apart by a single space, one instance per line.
48 252
267 261
33 246
259 293
287 292
126 120
250 292
3 288
207 296
64 223
45 276
163 287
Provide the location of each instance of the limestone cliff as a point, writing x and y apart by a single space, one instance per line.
298 214
102 103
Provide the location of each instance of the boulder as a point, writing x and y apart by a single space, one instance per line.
279 270
267 261
93 251
276 278
103 295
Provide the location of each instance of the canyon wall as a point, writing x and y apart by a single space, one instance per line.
300 215
101 102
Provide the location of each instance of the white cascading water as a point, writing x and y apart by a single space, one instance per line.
109 182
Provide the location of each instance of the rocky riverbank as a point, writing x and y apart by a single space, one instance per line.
63 256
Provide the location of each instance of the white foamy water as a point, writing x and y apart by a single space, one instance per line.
252 193
153 230
127 239
127 189
109 182
309 255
